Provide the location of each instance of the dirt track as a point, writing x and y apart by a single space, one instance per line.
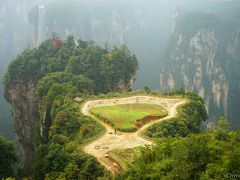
110 141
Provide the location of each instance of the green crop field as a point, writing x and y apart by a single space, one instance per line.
124 117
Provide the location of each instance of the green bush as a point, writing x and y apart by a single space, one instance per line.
188 120
8 158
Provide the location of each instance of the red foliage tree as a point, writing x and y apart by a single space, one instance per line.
57 42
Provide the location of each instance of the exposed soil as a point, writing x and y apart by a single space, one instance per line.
139 123
115 166
111 140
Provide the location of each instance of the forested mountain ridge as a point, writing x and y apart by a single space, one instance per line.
37 76
42 84
203 56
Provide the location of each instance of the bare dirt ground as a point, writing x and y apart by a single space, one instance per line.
111 140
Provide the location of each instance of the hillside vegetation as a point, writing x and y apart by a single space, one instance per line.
61 71
212 155
61 156
83 64
188 120
49 86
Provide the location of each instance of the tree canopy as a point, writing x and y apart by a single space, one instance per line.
197 156
75 61
188 120
8 158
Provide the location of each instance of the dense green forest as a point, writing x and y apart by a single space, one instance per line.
210 155
189 119
105 70
60 156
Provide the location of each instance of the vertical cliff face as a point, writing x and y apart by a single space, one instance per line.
204 56
25 114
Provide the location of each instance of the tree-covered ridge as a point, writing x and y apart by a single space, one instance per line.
108 70
59 71
212 155
188 120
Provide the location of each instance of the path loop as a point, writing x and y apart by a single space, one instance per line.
123 140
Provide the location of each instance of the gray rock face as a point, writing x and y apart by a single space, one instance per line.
25 115
205 58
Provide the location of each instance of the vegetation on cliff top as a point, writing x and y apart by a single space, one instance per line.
86 69
107 70
59 72
212 155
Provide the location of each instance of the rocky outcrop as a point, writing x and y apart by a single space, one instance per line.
204 56
25 115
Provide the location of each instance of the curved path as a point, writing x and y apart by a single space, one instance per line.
109 141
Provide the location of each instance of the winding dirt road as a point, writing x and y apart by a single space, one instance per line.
109 141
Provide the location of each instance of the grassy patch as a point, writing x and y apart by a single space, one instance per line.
128 117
